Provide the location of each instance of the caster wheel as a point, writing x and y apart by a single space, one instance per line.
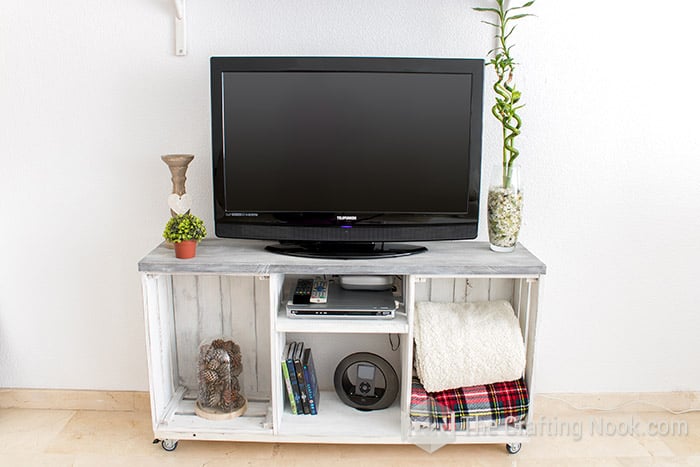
169 444
513 448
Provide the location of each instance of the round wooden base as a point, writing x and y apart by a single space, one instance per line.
210 414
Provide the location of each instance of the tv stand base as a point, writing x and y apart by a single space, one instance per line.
334 250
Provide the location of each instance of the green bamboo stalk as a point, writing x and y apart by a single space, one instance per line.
507 96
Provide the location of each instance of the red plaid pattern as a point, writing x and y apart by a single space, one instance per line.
503 403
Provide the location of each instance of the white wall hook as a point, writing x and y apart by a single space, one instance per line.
179 8
180 28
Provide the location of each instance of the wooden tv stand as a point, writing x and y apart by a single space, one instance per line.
235 288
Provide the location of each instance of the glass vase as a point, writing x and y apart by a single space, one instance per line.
504 208
219 366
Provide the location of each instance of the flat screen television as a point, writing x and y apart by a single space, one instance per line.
346 156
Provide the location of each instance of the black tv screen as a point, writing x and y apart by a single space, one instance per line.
346 150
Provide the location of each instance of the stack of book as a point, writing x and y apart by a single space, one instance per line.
300 379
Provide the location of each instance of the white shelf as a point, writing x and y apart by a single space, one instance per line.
398 325
486 434
339 423
184 424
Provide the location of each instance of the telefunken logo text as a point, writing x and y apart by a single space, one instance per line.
346 218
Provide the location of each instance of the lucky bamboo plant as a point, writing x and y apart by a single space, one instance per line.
507 96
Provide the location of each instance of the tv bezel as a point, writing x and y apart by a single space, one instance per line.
386 227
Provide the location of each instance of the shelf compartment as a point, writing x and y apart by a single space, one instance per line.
339 423
397 325
182 423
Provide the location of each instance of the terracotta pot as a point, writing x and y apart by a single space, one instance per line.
185 249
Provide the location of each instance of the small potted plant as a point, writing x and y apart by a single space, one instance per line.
505 198
184 231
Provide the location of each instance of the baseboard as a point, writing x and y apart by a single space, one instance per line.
61 399
628 402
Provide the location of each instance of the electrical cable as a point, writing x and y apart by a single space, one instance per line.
398 343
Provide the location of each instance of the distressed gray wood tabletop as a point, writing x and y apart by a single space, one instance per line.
229 256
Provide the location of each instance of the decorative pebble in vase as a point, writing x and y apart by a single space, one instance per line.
504 208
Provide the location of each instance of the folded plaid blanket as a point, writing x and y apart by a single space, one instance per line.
499 403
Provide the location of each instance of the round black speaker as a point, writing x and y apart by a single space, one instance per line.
366 381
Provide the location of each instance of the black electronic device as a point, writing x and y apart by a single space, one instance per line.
346 304
391 151
302 292
366 381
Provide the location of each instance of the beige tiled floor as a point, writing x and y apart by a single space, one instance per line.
561 437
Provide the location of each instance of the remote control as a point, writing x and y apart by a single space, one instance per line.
302 292
319 291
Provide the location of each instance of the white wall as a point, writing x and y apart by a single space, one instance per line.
91 95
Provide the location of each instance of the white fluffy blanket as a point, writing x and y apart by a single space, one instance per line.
467 344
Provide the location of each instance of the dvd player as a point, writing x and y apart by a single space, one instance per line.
344 303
